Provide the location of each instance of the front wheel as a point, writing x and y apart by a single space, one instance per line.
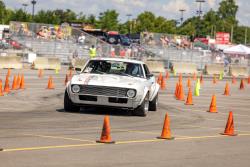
153 104
69 105
142 110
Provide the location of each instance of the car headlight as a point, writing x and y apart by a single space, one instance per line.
131 93
75 88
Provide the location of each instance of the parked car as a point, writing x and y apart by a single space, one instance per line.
112 82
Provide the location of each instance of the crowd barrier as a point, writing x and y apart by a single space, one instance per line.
237 70
214 69
12 61
185 68
155 66
50 63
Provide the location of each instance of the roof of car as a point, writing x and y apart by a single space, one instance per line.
119 59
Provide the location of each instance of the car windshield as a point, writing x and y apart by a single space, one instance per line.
114 67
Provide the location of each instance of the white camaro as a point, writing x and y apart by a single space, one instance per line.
113 82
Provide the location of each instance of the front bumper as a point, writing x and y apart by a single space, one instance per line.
93 100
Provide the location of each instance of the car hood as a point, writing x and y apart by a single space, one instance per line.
107 80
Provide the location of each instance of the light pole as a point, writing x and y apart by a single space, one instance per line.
129 15
199 13
33 2
182 14
24 6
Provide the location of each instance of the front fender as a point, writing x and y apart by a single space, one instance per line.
154 90
145 92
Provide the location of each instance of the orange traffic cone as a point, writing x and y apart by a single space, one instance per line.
227 90
180 92
50 83
180 78
229 130
242 85
189 98
213 108
214 80
201 79
66 79
194 76
18 81
22 83
234 80
40 73
7 86
1 88
166 132
189 83
9 72
163 84
248 80
159 79
167 75
105 136
14 83
176 90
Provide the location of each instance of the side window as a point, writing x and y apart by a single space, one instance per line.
147 72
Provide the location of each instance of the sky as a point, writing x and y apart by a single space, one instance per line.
166 8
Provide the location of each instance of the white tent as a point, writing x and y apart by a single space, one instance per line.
238 49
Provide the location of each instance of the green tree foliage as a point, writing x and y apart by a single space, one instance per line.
108 20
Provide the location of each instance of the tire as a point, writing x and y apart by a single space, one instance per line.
69 105
153 104
142 110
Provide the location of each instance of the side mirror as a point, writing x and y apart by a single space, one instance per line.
78 70
149 76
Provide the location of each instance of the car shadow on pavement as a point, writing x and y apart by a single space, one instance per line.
100 111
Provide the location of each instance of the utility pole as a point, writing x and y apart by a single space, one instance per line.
232 33
33 2
182 14
199 13
129 15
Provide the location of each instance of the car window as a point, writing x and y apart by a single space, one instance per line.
147 72
114 67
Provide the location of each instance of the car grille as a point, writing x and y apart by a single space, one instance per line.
103 91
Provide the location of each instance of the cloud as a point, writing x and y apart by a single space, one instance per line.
175 5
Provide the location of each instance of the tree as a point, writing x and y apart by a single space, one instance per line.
145 22
108 20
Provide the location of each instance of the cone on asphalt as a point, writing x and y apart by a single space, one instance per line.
6 85
14 83
9 72
180 93
242 85
163 83
214 80
50 83
194 76
189 83
213 107
22 83
201 79
189 98
221 76
180 78
227 90
176 90
248 80
106 132
229 129
40 73
234 80
166 132
66 79
159 78
18 81
167 75
1 88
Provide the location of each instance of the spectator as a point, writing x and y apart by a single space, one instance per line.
92 52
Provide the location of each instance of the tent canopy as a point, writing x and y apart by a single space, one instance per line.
238 49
